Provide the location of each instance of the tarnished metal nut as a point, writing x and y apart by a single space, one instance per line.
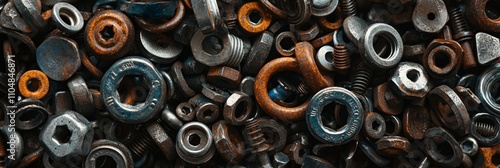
429 15
374 125
306 31
476 14
159 48
195 143
58 57
386 100
34 84
228 141
67 135
238 108
208 17
162 140
214 93
485 128
30 10
213 50
110 34
30 114
185 111
416 120
448 111
285 43
224 77
470 100
316 107
442 147
410 81
443 58
117 152
469 146
247 85
207 111
253 18
82 99
381 32
393 125
484 90
393 146
73 19
258 53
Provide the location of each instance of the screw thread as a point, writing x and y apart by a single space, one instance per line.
239 49
348 7
457 22
484 129
361 79
255 136
302 88
341 60
141 145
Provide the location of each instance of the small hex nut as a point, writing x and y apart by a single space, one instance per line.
238 108
410 80
306 31
224 77
67 135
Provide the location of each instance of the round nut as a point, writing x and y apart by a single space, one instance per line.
34 84
253 18
385 32
73 21
116 151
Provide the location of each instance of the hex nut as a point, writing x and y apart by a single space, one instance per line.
410 81
67 135
224 77
238 108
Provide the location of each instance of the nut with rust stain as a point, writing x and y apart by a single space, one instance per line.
238 108
443 58
410 81
416 120
487 157
253 18
386 100
476 14
374 125
224 77
34 84
110 34
392 146
228 141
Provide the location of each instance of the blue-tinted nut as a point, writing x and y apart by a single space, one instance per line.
334 95
141 112
67 135
485 128
410 81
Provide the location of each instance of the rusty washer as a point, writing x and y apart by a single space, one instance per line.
38 80
253 18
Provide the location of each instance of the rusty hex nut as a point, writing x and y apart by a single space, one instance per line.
443 58
486 156
386 100
224 77
253 18
228 141
306 31
392 146
110 34
410 81
34 84
238 108
476 14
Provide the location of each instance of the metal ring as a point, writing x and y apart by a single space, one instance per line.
195 154
143 112
354 120
370 56
483 89
74 19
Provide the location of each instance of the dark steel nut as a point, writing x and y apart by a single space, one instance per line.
116 151
195 143
331 95
485 128
306 31
181 85
215 93
285 43
58 57
185 111
228 141
469 146
30 114
208 17
247 85
30 10
470 100
410 81
393 125
416 120
159 48
448 111
74 19
110 34
207 111
162 140
386 100
66 136
436 141
82 99
9 19
155 99
258 53
224 77
393 146
238 108
374 125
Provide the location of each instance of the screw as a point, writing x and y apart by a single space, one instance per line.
463 35
256 139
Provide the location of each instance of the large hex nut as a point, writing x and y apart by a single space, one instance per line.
410 81
67 135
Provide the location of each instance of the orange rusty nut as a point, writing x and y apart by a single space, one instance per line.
224 77
253 18
443 58
96 72
333 21
487 156
416 120
110 34
314 79
34 84
323 40
166 26
262 96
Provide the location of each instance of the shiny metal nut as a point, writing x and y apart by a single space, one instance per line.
238 108
394 43
73 21
410 81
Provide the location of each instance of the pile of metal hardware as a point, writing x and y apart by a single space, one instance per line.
250 83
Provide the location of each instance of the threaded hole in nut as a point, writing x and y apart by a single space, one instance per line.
194 139
241 109
107 33
495 159
33 85
105 161
380 45
287 43
492 10
413 75
255 17
431 16
212 45
62 134
485 127
441 59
